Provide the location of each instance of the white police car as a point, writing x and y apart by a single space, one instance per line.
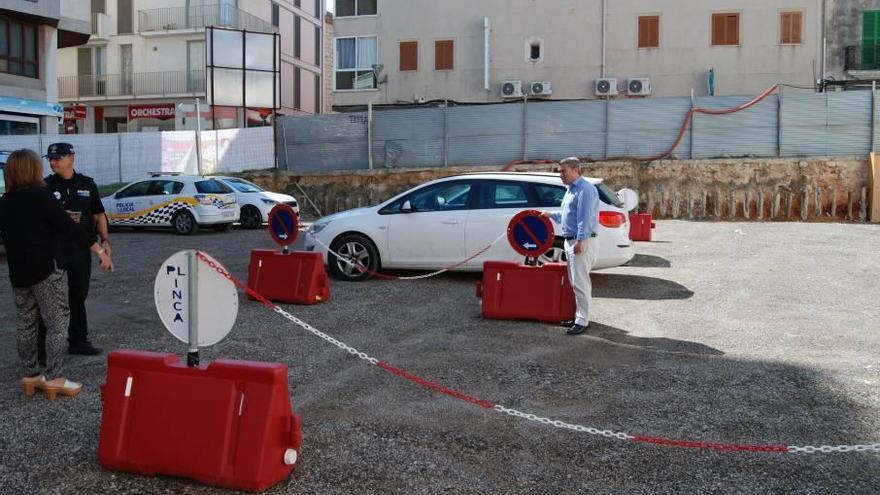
182 202
256 202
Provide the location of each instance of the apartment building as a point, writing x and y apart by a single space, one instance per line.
406 51
852 29
31 31
144 66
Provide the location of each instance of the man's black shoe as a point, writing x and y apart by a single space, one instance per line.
86 349
577 329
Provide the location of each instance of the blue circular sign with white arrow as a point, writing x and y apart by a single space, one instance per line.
283 224
530 234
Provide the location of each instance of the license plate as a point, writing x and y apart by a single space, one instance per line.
228 214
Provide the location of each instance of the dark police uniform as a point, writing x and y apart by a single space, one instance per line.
80 194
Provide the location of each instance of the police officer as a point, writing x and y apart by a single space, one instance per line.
78 195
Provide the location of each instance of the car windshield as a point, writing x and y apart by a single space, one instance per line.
212 187
243 186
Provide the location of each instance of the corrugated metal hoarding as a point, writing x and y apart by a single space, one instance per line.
794 124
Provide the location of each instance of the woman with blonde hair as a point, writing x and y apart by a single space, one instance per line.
32 223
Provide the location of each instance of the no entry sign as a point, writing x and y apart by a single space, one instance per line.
530 234
283 224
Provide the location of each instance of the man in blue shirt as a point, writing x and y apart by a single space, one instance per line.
580 220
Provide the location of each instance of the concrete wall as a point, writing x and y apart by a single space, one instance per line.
816 189
571 31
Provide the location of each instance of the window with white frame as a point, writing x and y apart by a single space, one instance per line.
355 58
350 8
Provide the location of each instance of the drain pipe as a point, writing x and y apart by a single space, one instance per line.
824 46
604 23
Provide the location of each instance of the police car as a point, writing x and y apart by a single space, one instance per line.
182 202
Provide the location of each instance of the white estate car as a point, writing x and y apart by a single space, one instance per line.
181 202
256 202
445 221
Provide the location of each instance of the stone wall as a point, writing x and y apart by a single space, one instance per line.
815 189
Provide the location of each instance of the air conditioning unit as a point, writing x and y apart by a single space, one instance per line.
638 86
606 86
541 88
511 89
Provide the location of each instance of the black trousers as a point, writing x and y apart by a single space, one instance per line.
79 274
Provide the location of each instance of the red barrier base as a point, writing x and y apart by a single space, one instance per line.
297 277
640 226
513 291
226 424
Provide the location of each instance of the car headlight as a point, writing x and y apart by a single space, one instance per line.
268 201
318 227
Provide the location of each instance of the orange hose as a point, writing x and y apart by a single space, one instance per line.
684 127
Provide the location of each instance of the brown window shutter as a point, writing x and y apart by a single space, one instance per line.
649 31
717 29
785 28
443 55
725 29
409 55
732 29
655 31
796 30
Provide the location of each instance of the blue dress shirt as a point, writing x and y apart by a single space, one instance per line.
580 210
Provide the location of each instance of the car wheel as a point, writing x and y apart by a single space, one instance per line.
183 222
555 254
358 248
221 227
251 218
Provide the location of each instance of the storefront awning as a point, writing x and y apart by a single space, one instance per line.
31 107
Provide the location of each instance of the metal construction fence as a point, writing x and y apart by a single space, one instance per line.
786 123
123 157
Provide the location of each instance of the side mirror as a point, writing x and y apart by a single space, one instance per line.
406 207
629 198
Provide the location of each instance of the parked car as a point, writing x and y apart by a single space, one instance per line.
182 202
442 222
4 155
256 202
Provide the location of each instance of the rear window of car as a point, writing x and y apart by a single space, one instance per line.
551 196
608 196
212 187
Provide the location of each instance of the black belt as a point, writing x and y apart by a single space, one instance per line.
573 237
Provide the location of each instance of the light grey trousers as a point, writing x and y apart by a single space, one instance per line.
579 274
47 300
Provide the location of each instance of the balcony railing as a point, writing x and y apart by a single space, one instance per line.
132 85
200 17
861 57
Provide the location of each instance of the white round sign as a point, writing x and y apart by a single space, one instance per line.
213 306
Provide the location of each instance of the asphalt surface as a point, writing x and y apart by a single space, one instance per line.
717 332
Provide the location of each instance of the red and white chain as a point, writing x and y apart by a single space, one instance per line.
352 262
778 449
833 449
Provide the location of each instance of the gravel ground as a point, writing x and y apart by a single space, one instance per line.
726 332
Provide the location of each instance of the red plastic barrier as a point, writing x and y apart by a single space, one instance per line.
226 424
297 277
641 226
512 291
